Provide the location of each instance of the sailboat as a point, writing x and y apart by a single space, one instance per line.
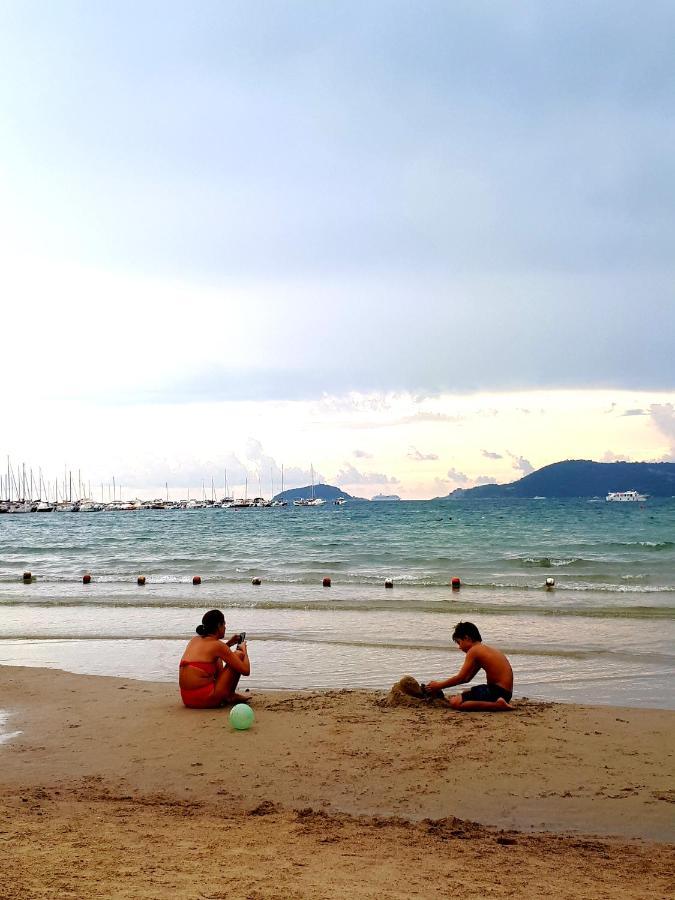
281 501
313 501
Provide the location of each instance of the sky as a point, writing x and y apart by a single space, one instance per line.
417 246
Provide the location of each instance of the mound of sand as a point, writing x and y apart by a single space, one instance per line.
408 692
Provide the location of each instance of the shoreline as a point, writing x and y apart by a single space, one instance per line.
285 692
329 786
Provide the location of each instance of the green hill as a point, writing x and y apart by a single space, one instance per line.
322 491
584 478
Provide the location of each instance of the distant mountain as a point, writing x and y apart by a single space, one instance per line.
322 491
584 478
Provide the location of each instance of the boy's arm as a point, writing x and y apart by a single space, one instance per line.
465 674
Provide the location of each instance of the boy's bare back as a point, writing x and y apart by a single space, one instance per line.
495 664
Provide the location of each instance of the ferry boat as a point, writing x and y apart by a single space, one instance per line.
625 497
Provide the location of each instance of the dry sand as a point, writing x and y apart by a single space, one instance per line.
113 789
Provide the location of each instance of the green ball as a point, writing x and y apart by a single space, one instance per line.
241 716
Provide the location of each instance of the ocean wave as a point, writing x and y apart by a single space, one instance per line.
646 545
450 605
549 562
371 581
283 637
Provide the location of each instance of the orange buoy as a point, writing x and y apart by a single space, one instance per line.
27 576
456 583
389 583
197 579
140 580
86 579
326 582
256 581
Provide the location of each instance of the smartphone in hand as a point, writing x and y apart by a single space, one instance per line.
242 638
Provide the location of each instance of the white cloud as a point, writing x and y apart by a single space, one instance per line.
485 479
348 474
490 454
520 464
362 454
663 416
457 476
418 456
609 456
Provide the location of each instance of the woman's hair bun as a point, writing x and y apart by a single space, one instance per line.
211 622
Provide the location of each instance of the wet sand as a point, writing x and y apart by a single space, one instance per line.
113 789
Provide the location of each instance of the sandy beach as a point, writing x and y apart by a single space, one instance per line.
111 788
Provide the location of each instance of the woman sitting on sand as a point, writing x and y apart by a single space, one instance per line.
209 670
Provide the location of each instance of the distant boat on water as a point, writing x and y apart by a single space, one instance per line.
625 497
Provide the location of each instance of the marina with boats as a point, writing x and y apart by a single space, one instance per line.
21 491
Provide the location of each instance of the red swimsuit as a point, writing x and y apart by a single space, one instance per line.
199 697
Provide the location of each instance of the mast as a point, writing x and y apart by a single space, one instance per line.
166 485
312 470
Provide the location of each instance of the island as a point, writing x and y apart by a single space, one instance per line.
327 492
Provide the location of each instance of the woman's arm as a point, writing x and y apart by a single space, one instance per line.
237 661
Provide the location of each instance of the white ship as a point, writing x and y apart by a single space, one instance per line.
625 497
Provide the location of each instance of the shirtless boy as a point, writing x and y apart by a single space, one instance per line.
491 697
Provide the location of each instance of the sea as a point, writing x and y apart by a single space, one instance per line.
605 634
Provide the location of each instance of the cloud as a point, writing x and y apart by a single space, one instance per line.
663 417
635 412
490 454
457 476
427 194
180 472
609 457
348 474
437 418
485 479
418 456
520 464
362 454
259 463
